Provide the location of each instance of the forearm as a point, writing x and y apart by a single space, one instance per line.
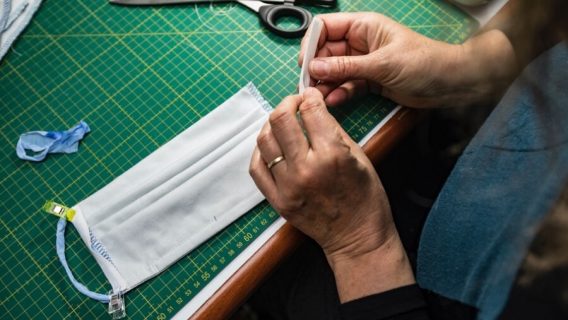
530 26
482 68
485 66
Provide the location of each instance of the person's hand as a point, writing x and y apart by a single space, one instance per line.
368 52
327 188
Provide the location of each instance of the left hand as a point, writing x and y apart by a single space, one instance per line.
360 52
329 190
326 187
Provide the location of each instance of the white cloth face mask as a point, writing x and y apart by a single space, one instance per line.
175 199
14 17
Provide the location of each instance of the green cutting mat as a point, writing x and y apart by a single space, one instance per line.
138 77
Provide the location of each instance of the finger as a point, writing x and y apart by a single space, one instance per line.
335 28
320 125
343 68
270 150
287 130
338 25
346 92
326 87
329 49
262 177
338 48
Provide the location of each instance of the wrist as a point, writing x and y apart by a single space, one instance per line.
367 270
484 67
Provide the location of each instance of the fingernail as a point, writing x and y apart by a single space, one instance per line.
319 68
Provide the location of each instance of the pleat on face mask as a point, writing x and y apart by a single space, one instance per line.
174 199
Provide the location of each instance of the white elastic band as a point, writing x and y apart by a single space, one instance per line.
311 47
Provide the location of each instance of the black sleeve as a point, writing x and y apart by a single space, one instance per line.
404 303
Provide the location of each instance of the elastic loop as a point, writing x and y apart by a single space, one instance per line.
40 152
60 246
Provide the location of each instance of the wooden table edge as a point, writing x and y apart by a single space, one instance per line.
242 284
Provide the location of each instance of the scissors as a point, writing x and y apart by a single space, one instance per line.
268 10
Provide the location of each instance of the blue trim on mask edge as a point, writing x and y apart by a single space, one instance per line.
60 246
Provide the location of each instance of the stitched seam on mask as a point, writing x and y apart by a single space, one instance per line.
98 247
256 94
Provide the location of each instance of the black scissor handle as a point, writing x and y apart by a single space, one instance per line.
318 3
269 15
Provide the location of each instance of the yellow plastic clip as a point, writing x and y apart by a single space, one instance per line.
59 210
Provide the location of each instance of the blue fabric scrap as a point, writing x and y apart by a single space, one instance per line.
40 143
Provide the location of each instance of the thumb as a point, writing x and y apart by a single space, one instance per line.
341 69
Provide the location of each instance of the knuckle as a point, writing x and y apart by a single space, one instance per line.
290 203
372 18
342 159
278 117
288 100
344 66
336 156
263 138
383 60
305 178
311 105
330 160
253 169
281 207
344 148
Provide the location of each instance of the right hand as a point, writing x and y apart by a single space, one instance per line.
368 52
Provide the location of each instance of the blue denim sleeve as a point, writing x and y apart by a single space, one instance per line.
507 180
